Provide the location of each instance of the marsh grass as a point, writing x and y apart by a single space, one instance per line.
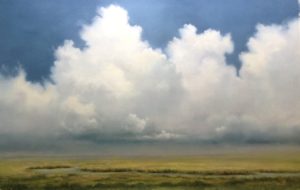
208 172
49 167
166 171
113 182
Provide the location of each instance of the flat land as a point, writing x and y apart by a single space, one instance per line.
240 171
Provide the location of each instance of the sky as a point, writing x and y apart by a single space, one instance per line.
91 73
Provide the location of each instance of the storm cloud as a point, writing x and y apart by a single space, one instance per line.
118 88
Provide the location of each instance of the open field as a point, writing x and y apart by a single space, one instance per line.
272 171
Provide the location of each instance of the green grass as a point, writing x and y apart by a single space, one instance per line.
207 172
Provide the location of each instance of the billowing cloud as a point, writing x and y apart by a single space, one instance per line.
117 87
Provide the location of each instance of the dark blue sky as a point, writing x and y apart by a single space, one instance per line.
31 30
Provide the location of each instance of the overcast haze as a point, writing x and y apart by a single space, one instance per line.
107 80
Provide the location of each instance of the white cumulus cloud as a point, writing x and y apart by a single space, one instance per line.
119 87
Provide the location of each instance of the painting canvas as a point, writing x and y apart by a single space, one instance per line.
140 94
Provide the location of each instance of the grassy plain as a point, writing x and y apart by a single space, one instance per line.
239 171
